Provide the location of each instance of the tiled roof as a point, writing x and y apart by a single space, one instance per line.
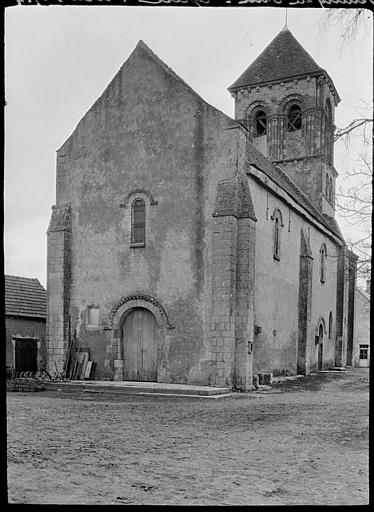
283 58
25 296
280 178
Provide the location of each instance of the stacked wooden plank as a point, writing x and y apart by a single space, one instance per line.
80 365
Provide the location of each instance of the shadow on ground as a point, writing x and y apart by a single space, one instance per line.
312 382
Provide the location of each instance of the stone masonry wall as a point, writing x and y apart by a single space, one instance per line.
223 298
306 154
245 302
233 258
233 301
58 287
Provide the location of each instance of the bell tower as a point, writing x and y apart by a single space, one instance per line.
287 102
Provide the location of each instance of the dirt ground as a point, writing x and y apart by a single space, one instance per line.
303 442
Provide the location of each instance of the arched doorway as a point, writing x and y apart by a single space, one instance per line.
320 348
140 345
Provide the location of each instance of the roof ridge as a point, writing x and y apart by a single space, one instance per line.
22 277
141 44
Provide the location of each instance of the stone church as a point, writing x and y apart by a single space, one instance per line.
189 247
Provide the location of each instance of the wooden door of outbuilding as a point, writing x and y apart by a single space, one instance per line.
140 346
25 355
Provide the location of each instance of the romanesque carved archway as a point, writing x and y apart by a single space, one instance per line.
138 301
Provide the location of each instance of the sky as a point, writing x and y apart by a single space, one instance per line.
59 60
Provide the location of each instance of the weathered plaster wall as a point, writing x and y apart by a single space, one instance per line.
323 297
277 287
147 131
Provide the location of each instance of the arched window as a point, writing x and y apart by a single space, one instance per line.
330 325
278 223
294 118
138 222
260 123
323 253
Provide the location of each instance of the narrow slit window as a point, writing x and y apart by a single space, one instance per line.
276 239
278 223
323 254
330 325
138 222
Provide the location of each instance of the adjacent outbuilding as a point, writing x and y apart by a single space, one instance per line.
25 321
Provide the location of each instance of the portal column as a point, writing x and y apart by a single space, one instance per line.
275 136
119 361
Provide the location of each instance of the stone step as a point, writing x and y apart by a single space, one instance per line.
131 387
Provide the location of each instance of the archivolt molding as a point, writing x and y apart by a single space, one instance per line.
292 98
138 300
254 107
136 192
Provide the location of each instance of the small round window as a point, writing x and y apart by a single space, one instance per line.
294 118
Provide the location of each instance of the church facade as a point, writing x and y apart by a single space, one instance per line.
189 247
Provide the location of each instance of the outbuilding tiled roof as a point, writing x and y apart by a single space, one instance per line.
284 58
25 296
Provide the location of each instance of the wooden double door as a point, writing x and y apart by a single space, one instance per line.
140 346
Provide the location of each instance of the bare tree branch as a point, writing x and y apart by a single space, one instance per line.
354 200
350 22
353 125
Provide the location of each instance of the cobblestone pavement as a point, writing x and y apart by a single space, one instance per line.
303 441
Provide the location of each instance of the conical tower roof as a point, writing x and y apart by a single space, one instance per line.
283 59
